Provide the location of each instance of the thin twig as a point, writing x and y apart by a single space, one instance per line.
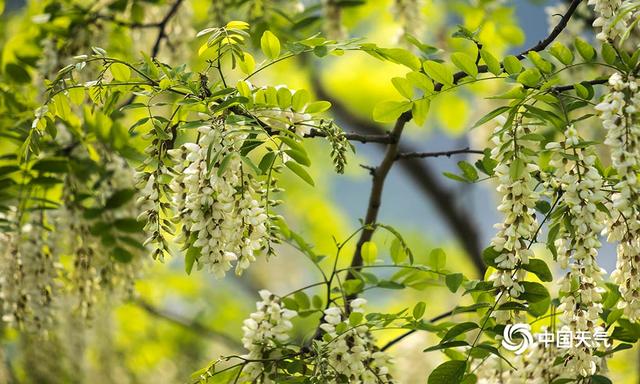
422 155
410 332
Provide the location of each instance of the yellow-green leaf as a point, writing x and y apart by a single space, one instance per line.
369 252
270 45
465 62
247 64
389 111
438 72
492 63
420 111
120 72
403 86
298 170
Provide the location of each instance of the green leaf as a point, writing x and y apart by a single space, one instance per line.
300 172
598 379
247 63
585 49
562 53
491 115
369 252
609 53
540 63
190 258
355 318
512 65
539 268
534 292
403 86
437 259
51 165
530 77
128 225
400 56
466 63
17 73
450 372
317 107
389 111
122 255
516 169
120 72
453 281
421 81
419 309
270 45
493 65
420 111
468 170
119 198
438 72
299 157
398 255
447 345
302 299
459 329
300 99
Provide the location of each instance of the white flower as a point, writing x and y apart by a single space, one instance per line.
264 331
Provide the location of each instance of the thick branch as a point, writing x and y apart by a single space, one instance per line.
422 155
187 324
379 176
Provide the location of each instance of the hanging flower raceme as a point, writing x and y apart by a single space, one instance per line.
219 201
580 183
515 172
348 351
536 366
264 333
28 270
608 19
619 111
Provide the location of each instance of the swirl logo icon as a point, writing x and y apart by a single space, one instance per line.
517 346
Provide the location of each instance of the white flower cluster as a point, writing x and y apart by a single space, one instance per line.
218 201
350 352
27 279
619 111
608 18
518 207
537 366
265 331
581 288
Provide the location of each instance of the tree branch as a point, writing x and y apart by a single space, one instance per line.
375 198
162 26
422 155
354 136
187 324
456 218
